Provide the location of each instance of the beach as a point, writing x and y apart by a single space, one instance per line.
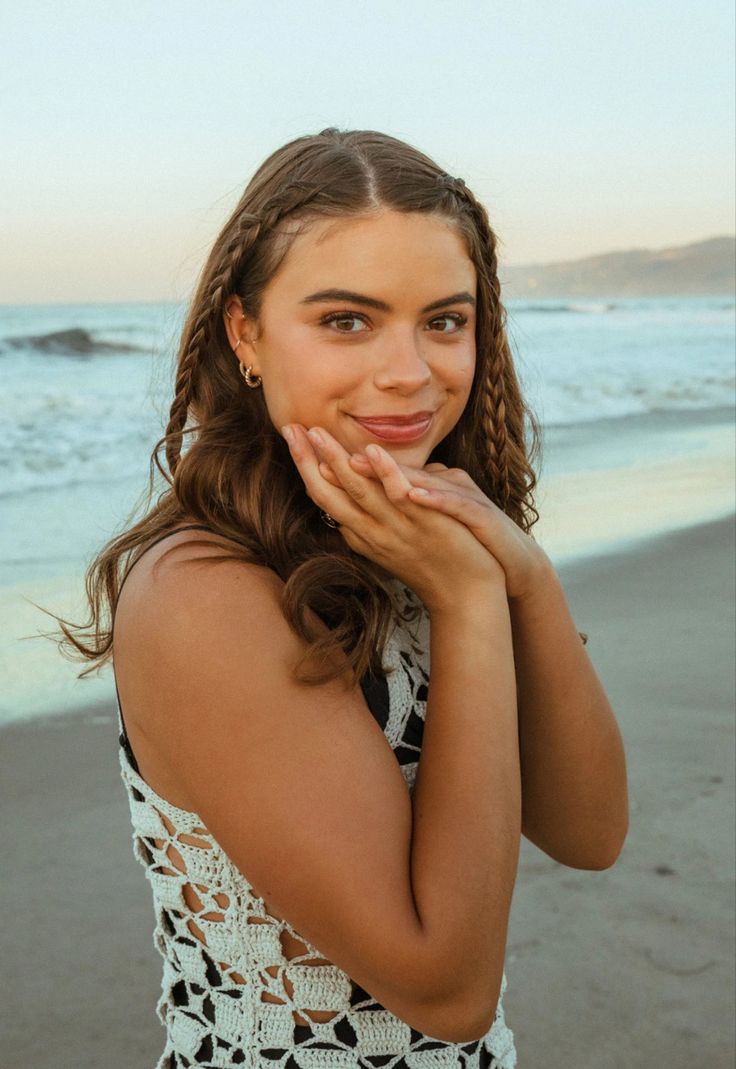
631 966
626 968
638 438
517 218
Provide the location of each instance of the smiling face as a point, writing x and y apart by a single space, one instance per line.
407 347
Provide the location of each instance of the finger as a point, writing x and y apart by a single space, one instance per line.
395 483
479 518
362 489
327 473
361 463
431 475
334 500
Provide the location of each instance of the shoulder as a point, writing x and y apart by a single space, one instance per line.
197 643
183 572
187 607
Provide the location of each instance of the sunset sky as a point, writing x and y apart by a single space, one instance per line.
129 131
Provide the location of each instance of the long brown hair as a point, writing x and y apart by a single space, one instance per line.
237 476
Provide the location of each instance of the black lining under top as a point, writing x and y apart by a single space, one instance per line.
375 688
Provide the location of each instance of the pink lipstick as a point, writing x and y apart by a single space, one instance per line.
396 431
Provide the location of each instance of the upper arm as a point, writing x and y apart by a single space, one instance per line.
297 783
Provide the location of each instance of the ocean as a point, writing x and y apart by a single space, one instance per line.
636 398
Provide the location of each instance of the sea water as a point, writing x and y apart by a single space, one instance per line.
635 397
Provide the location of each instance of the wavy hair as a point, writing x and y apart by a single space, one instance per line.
237 476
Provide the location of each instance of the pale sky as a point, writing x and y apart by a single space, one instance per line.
129 131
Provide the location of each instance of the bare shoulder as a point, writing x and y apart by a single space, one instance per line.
173 577
176 601
202 650
183 605
297 783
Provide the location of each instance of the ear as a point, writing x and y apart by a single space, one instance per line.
240 329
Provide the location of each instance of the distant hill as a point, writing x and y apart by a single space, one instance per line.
704 267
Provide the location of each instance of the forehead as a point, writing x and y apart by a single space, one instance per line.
412 252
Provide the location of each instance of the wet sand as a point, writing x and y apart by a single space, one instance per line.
622 969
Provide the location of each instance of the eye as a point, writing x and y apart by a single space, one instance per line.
454 317
338 317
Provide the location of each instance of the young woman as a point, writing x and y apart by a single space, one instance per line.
331 833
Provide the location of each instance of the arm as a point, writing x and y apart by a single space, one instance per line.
573 768
467 796
300 787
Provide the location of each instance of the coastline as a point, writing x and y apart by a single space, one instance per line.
604 486
630 966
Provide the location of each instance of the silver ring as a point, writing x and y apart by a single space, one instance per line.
328 519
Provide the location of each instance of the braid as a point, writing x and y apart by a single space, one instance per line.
179 408
244 233
493 388
493 395
502 445
243 236
503 442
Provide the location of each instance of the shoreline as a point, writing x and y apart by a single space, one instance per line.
604 968
607 486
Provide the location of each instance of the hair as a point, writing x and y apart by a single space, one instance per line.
237 476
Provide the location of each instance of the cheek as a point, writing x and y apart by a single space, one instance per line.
458 381
322 383
457 375
308 387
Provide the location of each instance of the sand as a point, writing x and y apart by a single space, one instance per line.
631 967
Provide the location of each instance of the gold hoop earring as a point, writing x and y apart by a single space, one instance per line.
245 372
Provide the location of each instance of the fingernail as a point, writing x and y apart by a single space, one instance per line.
315 437
288 434
373 451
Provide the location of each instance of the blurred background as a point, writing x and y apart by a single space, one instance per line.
601 140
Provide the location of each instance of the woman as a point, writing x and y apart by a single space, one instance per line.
358 473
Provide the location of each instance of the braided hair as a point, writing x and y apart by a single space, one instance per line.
236 476
239 237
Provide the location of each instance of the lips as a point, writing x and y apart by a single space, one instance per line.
415 417
395 430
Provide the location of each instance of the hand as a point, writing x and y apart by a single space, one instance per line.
379 520
452 492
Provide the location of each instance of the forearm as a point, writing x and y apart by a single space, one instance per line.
467 796
573 767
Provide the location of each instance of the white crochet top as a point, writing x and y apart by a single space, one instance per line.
236 990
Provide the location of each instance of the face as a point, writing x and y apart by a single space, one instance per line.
403 343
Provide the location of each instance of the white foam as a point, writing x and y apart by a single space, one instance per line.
582 513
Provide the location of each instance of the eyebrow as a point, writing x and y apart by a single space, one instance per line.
372 302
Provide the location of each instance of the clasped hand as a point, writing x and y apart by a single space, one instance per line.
448 490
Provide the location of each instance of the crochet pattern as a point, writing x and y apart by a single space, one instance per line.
242 987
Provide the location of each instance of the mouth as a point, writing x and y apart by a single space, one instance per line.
397 430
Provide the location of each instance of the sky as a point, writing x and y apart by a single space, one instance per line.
129 131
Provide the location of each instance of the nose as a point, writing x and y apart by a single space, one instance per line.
403 367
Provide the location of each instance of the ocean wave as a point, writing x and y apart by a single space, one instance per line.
86 392
40 472
72 342
35 460
583 307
